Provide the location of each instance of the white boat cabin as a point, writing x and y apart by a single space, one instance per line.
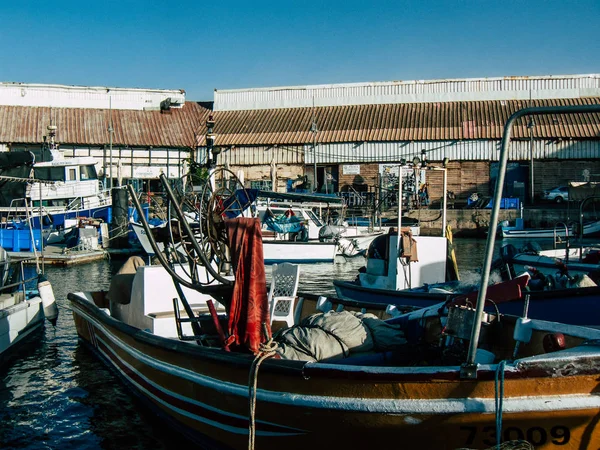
143 296
384 270
75 180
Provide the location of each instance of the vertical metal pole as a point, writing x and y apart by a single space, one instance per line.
313 128
314 146
530 125
110 137
399 225
41 231
445 204
104 164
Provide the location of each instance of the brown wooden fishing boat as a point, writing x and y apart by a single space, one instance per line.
550 399
445 377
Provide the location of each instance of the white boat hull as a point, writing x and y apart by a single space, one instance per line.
355 245
298 252
590 229
19 320
274 251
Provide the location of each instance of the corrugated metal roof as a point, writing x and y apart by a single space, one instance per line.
175 128
398 122
361 123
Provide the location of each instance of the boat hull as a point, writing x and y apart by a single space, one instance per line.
277 251
205 392
589 230
357 245
576 306
19 322
274 251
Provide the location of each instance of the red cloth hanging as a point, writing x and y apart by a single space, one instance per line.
249 308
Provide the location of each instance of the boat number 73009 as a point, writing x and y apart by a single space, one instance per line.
558 434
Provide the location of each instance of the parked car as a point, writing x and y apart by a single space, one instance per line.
558 194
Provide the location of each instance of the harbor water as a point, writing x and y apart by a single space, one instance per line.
55 394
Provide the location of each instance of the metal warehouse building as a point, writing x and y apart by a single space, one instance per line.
353 133
134 134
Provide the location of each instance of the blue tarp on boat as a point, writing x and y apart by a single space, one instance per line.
283 224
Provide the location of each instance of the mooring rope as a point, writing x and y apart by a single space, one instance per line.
265 350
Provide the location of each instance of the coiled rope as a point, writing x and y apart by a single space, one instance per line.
265 350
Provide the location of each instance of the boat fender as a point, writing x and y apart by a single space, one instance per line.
48 300
523 330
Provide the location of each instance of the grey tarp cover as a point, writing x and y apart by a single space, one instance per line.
579 190
337 335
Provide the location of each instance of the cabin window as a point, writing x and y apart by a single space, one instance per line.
314 217
71 174
50 173
87 173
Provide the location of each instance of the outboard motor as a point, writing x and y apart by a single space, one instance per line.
330 232
507 253
48 300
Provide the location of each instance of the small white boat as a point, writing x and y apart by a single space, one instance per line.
519 231
553 262
278 251
23 311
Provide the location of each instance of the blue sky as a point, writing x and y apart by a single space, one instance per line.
200 46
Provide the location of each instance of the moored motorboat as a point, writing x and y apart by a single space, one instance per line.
23 309
590 229
552 262
415 388
47 195
423 261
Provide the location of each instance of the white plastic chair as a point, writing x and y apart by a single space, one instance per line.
284 284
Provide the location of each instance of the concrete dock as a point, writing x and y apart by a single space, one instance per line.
60 255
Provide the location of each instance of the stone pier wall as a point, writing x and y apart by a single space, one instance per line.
475 222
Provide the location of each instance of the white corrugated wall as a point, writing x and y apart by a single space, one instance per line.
260 155
59 96
485 150
419 91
